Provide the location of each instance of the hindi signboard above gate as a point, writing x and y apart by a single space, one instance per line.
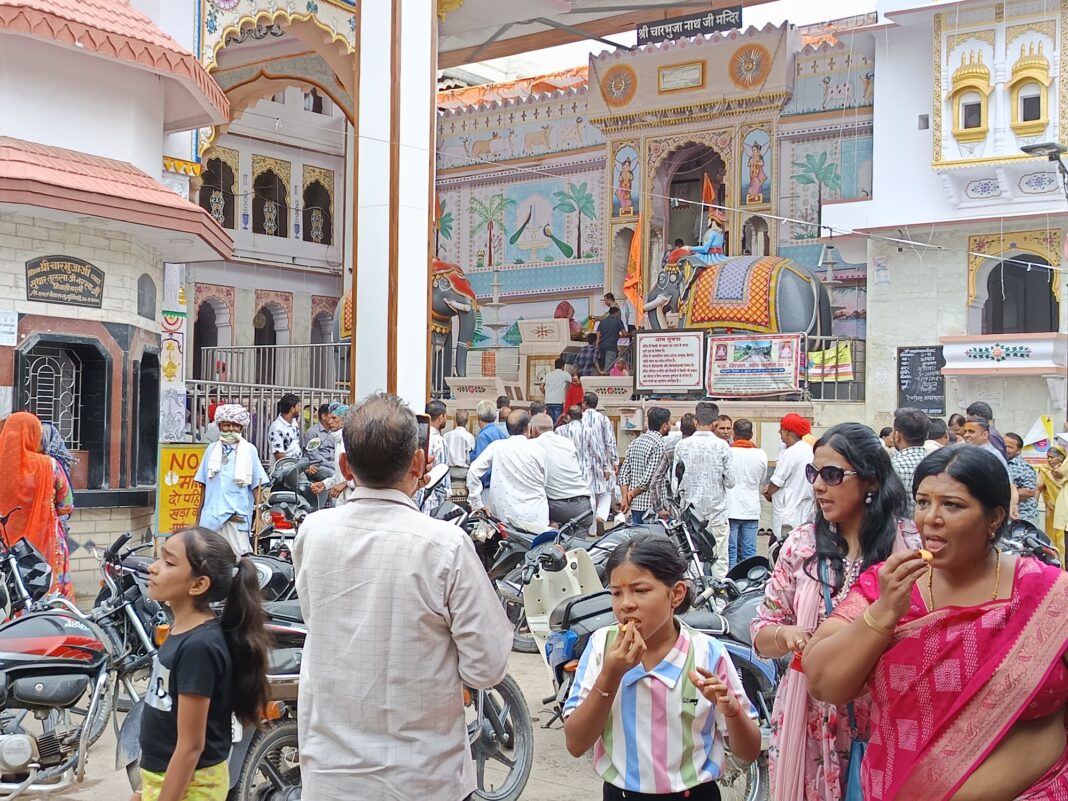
721 19
64 280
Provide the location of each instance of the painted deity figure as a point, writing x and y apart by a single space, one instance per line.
709 252
757 176
625 187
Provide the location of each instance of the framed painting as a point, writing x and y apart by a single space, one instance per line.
626 180
756 168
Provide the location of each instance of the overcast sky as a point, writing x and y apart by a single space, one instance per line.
799 12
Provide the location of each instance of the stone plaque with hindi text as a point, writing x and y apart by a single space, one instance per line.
64 280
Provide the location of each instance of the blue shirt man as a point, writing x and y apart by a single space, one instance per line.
490 432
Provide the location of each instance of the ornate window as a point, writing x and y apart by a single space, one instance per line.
270 205
1020 298
318 220
1029 89
968 98
217 192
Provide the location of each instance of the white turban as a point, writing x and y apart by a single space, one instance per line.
232 413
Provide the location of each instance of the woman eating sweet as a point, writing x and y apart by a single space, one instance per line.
961 647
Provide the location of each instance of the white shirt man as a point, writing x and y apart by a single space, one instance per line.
792 502
565 482
750 465
707 477
518 481
459 442
360 569
555 385
284 438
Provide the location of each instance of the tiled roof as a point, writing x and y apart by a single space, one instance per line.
111 28
518 90
53 177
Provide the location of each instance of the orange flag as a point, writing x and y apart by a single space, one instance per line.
632 284
708 192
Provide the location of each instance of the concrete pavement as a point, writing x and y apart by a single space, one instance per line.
555 773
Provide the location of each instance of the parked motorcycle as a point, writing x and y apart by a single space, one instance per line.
288 501
1023 539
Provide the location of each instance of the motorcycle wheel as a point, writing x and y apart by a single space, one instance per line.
503 745
522 640
271 770
742 782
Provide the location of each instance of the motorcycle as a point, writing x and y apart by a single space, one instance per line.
288 501
1024 539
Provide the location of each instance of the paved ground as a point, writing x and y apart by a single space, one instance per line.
555 774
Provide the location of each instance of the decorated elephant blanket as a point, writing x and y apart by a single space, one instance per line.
740 293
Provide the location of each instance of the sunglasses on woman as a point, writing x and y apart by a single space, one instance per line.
832 476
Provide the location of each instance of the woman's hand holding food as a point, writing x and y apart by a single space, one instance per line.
896 577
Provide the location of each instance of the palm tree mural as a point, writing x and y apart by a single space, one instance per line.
442 226
817 170
576 200
490 215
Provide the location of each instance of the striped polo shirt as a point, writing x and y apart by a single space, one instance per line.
662 736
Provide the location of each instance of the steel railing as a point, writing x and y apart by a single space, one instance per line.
834 369
261 402
324 366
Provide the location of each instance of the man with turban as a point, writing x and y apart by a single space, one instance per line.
232 478
788 490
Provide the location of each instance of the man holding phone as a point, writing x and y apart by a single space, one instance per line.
430 439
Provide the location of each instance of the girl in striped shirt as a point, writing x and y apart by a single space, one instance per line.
653 697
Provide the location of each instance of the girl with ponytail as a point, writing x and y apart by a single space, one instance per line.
209 668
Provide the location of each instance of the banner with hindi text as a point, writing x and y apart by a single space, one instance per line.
753 365
178 494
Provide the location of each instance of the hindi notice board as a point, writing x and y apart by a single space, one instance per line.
920 383
716 21
669 362
749 366
179 494
65 280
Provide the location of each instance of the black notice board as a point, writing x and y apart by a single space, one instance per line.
920 383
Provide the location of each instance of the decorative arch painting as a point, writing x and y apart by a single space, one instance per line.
756 168
626 180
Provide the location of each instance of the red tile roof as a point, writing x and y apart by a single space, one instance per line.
111 28
53 177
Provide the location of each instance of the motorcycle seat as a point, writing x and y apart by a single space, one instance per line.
710 623
141 564
286 611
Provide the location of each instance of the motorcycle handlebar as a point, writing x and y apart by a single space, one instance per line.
112 551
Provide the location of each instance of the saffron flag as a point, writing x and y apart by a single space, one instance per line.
632 284
709 200
832 364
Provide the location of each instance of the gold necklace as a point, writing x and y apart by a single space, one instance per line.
997 580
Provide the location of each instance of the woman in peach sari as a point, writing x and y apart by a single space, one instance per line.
34 494
961 647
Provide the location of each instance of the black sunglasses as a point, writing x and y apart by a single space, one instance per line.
832 476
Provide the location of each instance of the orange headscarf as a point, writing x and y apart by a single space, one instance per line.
28 482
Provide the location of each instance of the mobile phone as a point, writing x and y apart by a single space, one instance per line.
424 434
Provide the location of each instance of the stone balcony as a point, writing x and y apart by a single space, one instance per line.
1044 354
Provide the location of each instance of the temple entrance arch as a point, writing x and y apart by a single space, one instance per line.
271 327
621 243
677 186
756 238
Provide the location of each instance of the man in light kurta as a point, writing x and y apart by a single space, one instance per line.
600 456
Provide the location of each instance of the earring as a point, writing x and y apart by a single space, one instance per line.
869 497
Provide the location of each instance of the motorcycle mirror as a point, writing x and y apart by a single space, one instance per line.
313 443
438 473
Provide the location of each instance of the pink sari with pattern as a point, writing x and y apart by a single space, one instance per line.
953 682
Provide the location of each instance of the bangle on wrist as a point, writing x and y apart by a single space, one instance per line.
775 639
875 626
602 693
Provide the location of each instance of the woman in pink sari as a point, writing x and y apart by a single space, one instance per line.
963 653
858 523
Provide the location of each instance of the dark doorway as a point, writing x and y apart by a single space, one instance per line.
145 423
1020 297
266 333
205 335
270 209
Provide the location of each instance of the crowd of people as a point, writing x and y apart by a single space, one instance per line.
912 638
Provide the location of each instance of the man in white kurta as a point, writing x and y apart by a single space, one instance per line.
602 456
400 616
518 481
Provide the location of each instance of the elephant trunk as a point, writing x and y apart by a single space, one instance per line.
655 309
465 332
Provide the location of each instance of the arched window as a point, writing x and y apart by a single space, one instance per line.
313 102
146 297
971 111
270 205
1030 102
318 222
1020 298
217 192
755 238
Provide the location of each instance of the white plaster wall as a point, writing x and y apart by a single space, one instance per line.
73 99
926 298
122 258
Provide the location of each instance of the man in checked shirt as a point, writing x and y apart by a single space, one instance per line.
643 457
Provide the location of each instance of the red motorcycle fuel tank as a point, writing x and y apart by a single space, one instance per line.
48 635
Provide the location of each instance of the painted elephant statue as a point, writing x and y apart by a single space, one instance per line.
763 294
452 297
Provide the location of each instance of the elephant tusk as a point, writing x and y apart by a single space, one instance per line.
459 308
657 302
